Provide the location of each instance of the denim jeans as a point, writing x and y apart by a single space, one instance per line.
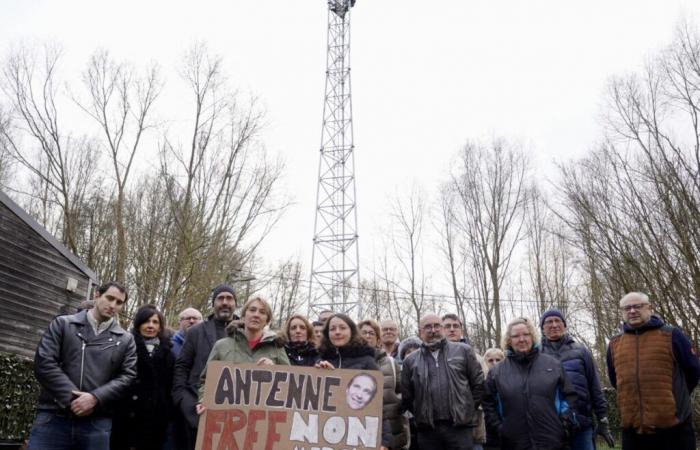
583 440
58 431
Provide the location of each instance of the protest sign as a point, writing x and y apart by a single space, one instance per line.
251 407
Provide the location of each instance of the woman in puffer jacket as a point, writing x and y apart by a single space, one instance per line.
371 333
527 400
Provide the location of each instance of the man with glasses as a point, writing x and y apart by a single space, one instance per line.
188 317
442 385
390 338
654 368
582 374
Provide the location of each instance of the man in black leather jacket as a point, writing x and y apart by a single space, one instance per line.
442 385
84 362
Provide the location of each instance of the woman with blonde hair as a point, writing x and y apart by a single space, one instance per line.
527 400
248 341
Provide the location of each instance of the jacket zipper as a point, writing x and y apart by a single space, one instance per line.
82 361
639 386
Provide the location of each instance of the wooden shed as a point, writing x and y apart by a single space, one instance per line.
39 279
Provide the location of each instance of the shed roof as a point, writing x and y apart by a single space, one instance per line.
26 218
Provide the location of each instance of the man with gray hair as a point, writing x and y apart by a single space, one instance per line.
654 368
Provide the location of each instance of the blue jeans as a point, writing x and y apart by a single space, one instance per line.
583 440
58 431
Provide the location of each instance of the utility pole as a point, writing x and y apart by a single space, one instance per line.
335 274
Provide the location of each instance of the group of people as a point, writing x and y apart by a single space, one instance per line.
105 388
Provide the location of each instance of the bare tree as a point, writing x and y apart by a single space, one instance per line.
120 101
220 183
64 163
490 187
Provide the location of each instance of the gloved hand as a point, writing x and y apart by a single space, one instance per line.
603 430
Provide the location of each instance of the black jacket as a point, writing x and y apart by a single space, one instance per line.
527 402
192 359
301 353
465 388
70 357
141 416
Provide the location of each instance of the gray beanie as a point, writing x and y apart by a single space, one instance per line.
222 288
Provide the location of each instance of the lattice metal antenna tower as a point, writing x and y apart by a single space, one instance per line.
335 258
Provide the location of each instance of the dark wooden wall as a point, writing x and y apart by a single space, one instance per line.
33 279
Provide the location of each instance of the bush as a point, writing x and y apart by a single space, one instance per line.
19 392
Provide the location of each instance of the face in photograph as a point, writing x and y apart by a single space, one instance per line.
360 391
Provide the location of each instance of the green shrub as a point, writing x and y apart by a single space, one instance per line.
19 392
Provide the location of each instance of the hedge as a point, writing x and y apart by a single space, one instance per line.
19 392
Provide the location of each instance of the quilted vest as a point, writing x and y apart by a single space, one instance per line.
644 368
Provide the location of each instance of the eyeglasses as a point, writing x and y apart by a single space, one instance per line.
431 327
194 318
449 326
637 307
384 330
368 333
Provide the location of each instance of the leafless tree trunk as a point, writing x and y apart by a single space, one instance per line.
120 101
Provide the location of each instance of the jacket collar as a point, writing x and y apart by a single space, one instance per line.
653 323
80 318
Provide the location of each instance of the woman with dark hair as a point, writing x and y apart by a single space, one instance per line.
142 416
342 347
300 346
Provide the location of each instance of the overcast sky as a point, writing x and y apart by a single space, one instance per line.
426 76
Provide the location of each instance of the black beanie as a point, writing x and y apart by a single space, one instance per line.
222 288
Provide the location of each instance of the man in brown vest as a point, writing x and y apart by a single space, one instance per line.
654 368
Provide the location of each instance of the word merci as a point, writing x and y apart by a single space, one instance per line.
259 404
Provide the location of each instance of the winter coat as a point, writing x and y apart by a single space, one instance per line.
391 406
527 402
178 340
581 372
654 369
192 359
234 348
142 415
464 390
70 358
301 353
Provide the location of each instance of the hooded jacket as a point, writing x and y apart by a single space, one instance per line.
654 369
527 402
465 386
234 348
581 372
70 358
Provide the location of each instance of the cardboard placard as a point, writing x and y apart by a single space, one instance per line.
250 407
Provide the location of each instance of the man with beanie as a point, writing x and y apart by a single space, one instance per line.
199 341
581 372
